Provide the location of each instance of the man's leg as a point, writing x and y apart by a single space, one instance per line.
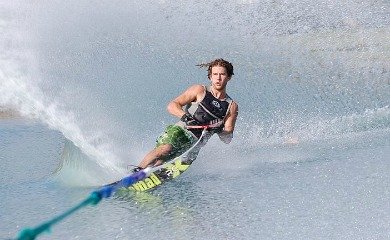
154 156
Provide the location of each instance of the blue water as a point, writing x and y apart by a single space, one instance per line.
310 156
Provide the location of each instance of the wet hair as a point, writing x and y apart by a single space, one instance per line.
218 62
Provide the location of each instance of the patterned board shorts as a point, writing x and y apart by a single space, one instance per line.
180 139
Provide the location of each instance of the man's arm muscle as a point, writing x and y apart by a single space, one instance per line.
175 107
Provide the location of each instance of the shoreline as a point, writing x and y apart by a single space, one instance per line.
8 114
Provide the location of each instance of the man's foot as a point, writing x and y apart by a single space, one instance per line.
136 169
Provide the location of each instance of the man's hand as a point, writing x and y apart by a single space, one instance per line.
216 126
189 120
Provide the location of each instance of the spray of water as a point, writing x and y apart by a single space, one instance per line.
19 78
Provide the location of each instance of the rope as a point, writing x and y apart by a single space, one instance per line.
96 196
93 199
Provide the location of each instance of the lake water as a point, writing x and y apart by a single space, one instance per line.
310 158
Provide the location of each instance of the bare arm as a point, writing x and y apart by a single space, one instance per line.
192 94
227 134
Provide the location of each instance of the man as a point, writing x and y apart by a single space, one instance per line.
203 106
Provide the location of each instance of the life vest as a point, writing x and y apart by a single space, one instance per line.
208 109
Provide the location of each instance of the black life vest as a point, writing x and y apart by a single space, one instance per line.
208 109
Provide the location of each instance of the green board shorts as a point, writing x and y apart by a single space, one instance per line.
180 139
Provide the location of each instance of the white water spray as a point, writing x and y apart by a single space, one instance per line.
19 79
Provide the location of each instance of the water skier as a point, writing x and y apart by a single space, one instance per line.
198 105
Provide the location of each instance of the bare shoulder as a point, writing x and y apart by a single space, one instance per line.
191 94
194 90
197 88
197 91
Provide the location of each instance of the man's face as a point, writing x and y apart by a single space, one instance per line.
219 77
